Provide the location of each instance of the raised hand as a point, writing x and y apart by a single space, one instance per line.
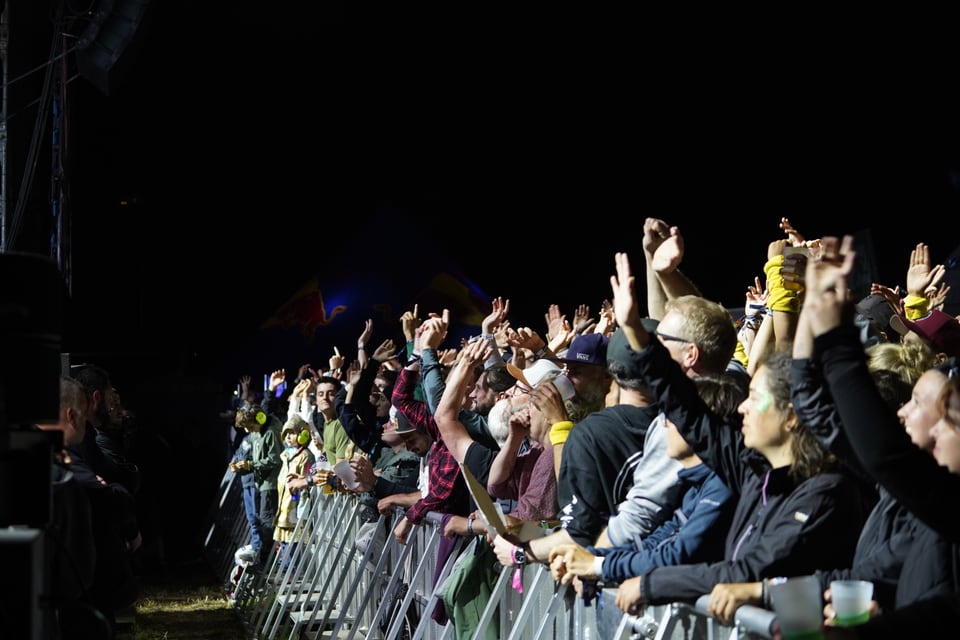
827 293
409 321
278 376
434 331
669 254
892 296
655 231
353 372
793 236
582 321
336 360
756 299
608 320
447 357
526 338
920 273
797 240
502 334
498 314
625 306
385 351
556 322
938 295
366 333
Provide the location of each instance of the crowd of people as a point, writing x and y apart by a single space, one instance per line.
665 446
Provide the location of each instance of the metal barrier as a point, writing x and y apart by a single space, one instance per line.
329 587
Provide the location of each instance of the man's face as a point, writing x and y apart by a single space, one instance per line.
417 442
380 397
592 383
75 428
325 394
99 410
670 332
483 397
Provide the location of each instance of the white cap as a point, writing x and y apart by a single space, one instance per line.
543 370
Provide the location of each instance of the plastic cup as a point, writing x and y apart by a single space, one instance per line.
345 474
851 601
798 604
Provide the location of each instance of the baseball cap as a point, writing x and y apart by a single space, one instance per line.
941 330
590 348
544 371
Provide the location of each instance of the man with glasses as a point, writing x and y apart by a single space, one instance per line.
701 338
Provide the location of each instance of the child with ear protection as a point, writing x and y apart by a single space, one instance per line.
296 458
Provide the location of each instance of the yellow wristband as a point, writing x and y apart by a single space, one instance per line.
780 298
559 432
740 353
915 307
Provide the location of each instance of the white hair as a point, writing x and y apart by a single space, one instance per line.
498 420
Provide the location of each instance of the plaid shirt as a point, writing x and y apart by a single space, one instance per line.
448 491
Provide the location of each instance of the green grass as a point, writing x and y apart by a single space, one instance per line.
186 604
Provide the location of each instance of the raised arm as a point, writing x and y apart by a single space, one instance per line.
664 263
454 434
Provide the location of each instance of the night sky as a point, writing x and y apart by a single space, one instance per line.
253 145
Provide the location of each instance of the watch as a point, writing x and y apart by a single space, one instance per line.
519 556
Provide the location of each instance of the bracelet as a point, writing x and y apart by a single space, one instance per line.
559 432
470 526
540 353
360 347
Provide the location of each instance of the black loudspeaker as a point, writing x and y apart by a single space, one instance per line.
110 41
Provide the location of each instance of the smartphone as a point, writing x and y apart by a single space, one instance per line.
789 251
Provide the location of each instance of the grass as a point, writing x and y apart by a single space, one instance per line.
187 603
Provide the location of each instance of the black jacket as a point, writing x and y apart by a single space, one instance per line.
911 476
905 559
780 527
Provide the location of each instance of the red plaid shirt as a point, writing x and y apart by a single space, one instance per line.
448 491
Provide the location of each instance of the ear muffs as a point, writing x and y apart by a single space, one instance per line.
303 437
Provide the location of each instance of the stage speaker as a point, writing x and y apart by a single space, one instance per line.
110 41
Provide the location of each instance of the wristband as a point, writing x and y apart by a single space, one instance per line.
470 526
560 431
360 347
540 353
519 556
915 307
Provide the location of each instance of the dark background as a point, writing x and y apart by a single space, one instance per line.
242 147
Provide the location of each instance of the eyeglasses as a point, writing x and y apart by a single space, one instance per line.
376 395
666 338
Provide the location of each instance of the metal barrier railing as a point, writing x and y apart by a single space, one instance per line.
328 587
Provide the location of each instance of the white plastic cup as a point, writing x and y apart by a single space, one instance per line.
851 601
564 386
798 604
345 474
